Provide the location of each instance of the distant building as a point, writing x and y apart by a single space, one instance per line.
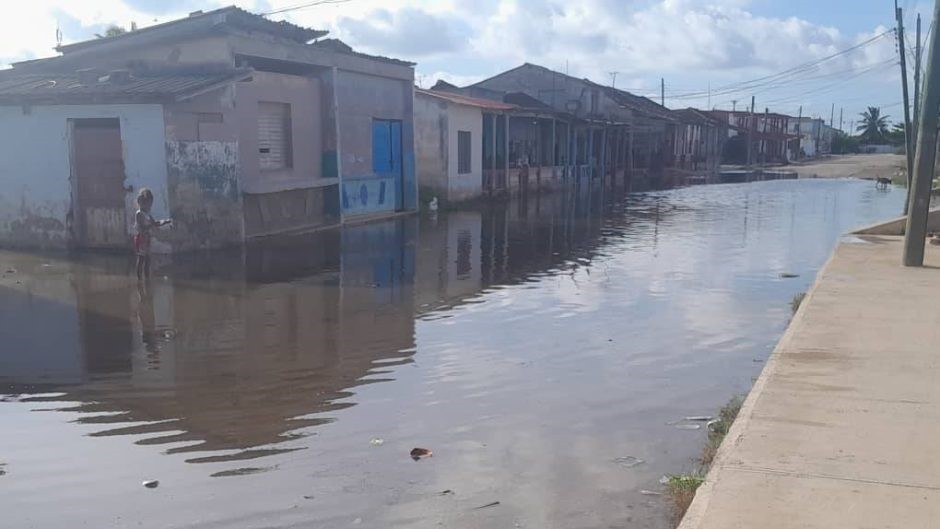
755 138
812 138
700 138
449 146
241 126
567 130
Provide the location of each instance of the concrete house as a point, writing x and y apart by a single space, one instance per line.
580 130
242 127
699 141
755 138
449 146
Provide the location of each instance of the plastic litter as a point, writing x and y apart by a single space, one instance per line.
788 275
377 441
700 418
688 426
494 504
151 484
650 493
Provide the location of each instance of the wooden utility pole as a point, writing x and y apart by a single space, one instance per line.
832 116
916 233
840 118
763 141
908 139
751 125
662 91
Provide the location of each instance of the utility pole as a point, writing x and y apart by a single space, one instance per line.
613 79
799 135
908 139
916 81
916 233
763 141
662 91
751 125
832 115
734 105
709 107
840 119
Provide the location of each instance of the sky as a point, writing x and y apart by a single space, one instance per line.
707 52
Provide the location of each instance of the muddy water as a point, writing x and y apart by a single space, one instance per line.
528 346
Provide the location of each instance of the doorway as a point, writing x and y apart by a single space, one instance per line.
100 216
387 157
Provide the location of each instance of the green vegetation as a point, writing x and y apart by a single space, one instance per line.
681 491
797 301
680 488
842 143
873 126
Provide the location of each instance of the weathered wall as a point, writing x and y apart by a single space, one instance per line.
470 185
431 151
361 99
35 197
205 203
303 96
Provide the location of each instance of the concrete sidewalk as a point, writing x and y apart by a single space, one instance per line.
842 429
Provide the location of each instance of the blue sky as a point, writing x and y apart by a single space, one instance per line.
692 44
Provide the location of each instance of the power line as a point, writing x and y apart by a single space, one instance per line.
773 78
303 6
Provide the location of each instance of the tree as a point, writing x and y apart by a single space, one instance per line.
874 126
112 31
842 143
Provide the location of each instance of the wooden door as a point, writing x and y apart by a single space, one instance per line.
98 169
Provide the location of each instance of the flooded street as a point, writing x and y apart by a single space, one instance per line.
528 345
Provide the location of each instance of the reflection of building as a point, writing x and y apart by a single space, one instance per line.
231 365
237 355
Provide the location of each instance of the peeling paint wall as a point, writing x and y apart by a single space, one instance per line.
205 203
431 152
35 168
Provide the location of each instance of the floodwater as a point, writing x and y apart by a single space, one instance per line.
529 346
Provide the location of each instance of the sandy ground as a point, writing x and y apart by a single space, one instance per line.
866 166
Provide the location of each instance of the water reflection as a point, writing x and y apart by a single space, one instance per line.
273 367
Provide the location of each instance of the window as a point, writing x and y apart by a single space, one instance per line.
463 152
274 136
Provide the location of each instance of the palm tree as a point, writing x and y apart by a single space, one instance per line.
874 126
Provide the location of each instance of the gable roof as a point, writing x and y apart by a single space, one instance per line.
231 16
69 88
338 46
623 98
465 100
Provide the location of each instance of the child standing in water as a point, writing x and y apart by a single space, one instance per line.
144 224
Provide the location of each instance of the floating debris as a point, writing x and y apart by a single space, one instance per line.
151 484
357 521
494 504
650 493
788 275
629 461
699 418
664 480
688 426
711 424
447 492
420 453
308 497
377 441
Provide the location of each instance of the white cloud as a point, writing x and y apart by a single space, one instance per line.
686 41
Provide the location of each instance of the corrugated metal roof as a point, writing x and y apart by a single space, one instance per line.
68 88
466 100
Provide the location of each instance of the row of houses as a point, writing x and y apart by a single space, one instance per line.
244 127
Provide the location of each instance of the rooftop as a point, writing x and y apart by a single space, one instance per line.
89 87
465 100
227 16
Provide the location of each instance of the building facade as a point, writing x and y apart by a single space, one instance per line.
293 133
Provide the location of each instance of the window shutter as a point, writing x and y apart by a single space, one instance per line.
274 136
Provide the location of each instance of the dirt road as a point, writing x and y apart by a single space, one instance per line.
866 166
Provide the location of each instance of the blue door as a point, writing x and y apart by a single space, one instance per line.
387 159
